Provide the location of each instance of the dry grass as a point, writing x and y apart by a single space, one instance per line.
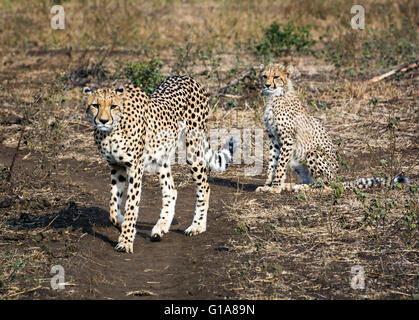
303 246
164 25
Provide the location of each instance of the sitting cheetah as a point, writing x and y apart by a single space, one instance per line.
297 139
136 132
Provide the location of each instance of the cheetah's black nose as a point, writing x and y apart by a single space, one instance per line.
267 85
103 120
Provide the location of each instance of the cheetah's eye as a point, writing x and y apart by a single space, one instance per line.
276 77
95 105
113 106
264 76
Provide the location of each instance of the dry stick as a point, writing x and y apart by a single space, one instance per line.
49 224
403 68
108 51
25 291
236 80
9 177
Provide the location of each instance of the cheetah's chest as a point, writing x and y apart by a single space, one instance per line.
113 149
269 120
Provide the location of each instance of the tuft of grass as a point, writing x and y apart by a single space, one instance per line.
242 226
411 210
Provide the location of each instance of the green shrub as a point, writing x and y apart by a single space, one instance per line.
282 39
146 75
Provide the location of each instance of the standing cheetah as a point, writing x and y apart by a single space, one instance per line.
297 139
136 132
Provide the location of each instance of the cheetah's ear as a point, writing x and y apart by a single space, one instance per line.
290 70
119 90
261 67
87 90
293 72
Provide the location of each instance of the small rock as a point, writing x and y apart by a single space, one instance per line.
6 202
39 237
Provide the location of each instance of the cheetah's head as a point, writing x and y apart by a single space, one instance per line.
104 107
276 79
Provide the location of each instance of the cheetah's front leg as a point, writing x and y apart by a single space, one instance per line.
274 152
278 184
118 178
284 159
132 203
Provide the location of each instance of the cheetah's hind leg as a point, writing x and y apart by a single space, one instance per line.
197 164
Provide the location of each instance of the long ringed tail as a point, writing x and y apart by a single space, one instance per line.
364 183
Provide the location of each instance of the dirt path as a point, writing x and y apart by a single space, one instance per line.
178 267
80 238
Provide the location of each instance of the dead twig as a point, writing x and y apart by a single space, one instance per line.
230 96
236 80
22 131
403 68
49 224
22 292
9 176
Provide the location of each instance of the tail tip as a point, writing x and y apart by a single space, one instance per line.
401 179
232 145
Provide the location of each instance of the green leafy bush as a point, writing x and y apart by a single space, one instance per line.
279 39
146 75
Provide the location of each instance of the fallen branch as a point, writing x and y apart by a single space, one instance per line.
230 96
12 165
236 80
49 224
22 131
403 68
22 292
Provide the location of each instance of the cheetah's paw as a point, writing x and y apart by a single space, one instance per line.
162 226
195 229
158 232
125 246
